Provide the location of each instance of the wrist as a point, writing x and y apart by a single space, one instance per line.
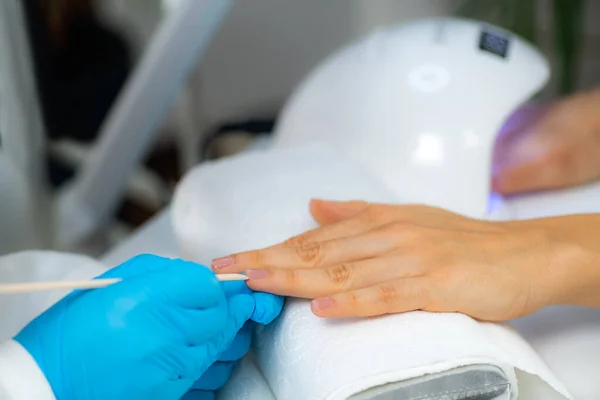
569 273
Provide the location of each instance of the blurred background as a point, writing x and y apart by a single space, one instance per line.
83 52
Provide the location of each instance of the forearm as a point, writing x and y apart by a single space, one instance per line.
572 273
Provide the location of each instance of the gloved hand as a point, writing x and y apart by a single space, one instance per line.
147 337
267 308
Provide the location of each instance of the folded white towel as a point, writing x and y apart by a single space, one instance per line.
246 383
256 200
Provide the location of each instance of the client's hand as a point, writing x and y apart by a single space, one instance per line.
550 146
370 259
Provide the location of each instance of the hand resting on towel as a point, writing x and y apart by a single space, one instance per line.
371 259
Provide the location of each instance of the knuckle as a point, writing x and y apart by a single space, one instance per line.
297 241
352 300
398 227
291 278
451 277
404 230
254 257
341 274
438 252
387 294
310 253
373 214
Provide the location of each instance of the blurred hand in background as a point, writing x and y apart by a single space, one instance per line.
549 146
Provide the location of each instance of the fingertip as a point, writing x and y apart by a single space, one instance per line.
498 185
262 280
268 307
321 211
234 264
332 307
222 263
258 274
513 180
315 204
329 211
322 306
320 313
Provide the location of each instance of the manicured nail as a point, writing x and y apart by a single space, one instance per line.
321 304
256 274
218 263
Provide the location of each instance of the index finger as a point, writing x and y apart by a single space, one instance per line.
362 222
311 255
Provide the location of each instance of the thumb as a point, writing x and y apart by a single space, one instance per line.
327 211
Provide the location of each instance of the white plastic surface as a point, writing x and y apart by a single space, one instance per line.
17 230
24 208
420 105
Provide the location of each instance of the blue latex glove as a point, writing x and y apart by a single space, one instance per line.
147 337
267 308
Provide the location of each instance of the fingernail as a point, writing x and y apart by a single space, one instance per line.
222 262
256 274
321 304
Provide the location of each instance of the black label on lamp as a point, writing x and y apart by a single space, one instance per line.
494 43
